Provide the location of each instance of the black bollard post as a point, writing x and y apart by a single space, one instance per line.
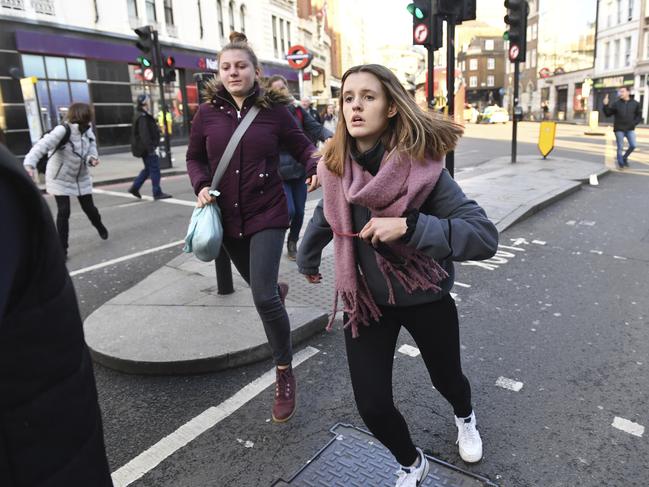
223 274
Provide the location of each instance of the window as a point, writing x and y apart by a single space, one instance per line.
533 59
288 33
281 35
491 80
607 55
275 36
631 9
627 51
491 63
150 11
535 29
61 81
619 11
242 18
646 43
489 45
219 16
132 9
473 64
463 66
473 82
528 33
616 54
231 15
169 12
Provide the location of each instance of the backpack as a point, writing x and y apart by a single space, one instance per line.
41 165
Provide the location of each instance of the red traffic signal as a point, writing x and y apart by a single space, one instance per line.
170 62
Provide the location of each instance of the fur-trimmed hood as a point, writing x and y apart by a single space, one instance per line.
264 98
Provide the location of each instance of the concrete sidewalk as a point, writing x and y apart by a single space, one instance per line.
175 322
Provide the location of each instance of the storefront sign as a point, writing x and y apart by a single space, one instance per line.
613 81
28 87
208 63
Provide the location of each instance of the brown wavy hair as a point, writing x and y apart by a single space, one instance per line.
417 133
80 113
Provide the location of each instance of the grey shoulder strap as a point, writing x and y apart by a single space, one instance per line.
232 145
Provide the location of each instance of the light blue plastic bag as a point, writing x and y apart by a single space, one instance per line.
205 233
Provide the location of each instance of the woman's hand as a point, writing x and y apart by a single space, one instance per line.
93 162
204 198
313 183
314 278
386 229
30 171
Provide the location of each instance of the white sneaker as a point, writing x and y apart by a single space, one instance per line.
468 439
413 476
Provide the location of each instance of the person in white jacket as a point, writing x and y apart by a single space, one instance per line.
67 171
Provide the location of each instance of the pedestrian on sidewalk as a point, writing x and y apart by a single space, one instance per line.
67 171
330 119
308 106
252 200
627 114
291 171
50 423
145 138
398 221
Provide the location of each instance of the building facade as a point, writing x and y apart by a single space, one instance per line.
85 51
482 63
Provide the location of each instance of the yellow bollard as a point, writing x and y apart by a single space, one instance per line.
546 137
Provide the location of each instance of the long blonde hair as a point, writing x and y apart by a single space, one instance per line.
412 131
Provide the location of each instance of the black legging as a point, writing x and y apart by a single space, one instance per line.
434 327
63 215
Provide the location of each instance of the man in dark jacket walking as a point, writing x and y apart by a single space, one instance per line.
145 137
628 114
50 423
291 171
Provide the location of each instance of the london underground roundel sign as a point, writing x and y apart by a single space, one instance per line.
298 57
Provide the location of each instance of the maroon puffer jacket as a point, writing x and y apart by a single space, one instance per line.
252 197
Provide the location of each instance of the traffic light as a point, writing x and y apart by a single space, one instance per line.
426 28
516 18
145 44
168 69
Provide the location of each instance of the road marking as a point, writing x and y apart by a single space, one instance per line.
409 350
619 257
124 258
627 426
461 284
510 384
598 252
120 194
539 242
167 446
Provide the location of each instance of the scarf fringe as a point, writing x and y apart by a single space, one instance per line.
421 272
359 305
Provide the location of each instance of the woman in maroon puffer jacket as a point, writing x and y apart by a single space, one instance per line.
252 200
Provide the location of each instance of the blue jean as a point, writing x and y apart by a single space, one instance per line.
619 139
151 170
295 190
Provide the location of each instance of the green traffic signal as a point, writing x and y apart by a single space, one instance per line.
416 11
506 35
144 61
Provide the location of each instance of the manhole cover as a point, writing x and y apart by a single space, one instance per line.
355 458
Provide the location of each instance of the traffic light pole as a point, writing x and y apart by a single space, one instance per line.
514 116
431 78
450 82
166 162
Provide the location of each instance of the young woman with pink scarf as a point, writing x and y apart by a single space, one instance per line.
398 221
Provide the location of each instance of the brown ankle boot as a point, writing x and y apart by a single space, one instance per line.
285 388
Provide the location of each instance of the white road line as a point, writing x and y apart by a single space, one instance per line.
167 446
124 258
409 350
121 194
627 426
510 384
461 284
539 242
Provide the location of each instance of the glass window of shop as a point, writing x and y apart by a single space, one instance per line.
173 98
61 81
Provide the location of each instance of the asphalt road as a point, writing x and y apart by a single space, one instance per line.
566 316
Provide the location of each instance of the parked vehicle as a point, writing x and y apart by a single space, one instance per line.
471 114
494 114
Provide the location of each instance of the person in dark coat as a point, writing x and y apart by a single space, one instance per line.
627 114
252 200
291 171
145 137
50 423
308 106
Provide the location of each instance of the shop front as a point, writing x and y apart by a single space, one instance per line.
609 86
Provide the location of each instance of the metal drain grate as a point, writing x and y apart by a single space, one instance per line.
354 458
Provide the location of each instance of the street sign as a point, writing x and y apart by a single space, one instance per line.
298 57
546 137
514 51
420 34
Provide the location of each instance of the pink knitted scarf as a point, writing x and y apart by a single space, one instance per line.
401 183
